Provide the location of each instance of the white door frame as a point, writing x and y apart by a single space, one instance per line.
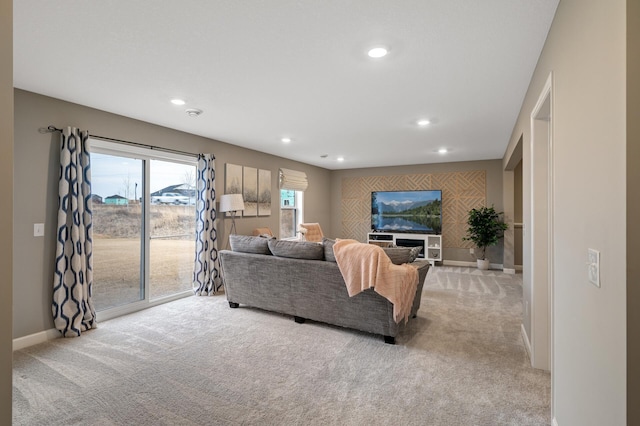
542 233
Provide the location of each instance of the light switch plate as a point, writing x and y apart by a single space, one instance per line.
593 265
38 229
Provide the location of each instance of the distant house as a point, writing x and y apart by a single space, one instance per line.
182 189
116 200
96 199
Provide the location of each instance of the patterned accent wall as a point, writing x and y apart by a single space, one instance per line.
461 191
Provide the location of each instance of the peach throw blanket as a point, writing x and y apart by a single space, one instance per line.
366 265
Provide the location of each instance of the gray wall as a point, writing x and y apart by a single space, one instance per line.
36 173
585 49
517 213
633 212
6 225
493 170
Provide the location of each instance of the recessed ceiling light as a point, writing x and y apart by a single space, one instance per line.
377 52
423 122
177 101
340 159
443 150
285 140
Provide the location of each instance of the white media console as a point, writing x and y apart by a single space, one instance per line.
431 244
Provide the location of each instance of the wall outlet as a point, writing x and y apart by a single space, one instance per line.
593 266
471 251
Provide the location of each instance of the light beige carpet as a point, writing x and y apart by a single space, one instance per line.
198 362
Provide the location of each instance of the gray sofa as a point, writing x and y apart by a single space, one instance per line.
309 289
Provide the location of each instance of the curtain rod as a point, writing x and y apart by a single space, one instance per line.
51 129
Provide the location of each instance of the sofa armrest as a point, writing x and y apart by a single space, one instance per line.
423 268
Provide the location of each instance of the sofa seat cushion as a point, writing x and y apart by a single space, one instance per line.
296 249
249 244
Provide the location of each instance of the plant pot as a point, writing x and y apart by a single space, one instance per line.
483 264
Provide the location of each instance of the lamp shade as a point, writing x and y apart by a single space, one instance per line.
231 202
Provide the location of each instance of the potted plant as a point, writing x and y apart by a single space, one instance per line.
486 227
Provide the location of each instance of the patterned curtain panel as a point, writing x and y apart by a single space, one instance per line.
73 310
206 273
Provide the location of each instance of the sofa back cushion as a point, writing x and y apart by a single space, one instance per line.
297 249
249 244
400 255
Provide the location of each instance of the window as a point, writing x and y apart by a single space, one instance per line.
290 212
292 184
144 227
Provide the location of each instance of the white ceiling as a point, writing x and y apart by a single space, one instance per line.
261 70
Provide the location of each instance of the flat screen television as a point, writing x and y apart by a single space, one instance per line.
412 212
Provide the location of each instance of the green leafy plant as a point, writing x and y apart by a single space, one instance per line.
486 227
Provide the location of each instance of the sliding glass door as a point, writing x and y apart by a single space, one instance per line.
144 227
172 228
117 230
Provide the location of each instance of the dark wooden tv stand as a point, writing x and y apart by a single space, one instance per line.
431 244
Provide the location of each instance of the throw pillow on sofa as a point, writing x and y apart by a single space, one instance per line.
297 249
249 244
327 245
400 255
415 251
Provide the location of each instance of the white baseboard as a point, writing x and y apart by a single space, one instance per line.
511 271
458 263
466 264
34 339
525 339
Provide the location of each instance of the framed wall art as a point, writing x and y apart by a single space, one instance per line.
264 192
250 191
233 180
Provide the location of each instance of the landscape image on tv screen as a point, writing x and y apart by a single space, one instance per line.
417 212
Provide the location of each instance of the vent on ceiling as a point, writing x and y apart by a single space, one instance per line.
193 112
